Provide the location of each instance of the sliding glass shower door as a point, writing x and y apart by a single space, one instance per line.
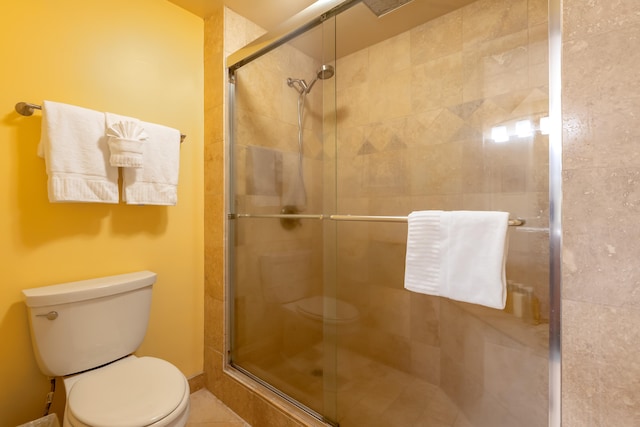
449 115
342 128
283 252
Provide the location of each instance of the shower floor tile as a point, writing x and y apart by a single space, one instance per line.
370 393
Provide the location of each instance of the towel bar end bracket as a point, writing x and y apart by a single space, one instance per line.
26 109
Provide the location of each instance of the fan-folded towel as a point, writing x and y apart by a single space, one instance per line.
75 149
126 141
459 255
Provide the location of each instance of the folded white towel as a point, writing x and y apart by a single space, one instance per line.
156 183
126 141
76 152
459 255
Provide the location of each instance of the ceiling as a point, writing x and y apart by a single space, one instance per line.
357 27
261 12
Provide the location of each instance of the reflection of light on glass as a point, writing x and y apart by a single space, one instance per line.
524 128
499 134
544 125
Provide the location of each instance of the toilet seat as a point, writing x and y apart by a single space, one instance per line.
313 307
143 391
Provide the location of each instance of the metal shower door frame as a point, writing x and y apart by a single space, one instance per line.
322 10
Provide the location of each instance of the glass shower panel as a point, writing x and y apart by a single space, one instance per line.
282 268
449 115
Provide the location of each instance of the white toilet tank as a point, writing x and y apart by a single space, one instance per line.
81 325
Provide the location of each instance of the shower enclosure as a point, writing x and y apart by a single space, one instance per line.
343 121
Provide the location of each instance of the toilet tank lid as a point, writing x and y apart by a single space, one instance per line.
87 289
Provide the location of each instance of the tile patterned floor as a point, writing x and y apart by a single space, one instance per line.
369 393
207 411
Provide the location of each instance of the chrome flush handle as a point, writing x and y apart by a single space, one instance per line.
52 315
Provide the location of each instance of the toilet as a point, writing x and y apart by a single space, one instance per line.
86 332
287 281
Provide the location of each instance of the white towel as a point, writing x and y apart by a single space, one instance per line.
459 255
126 141
76 153
156 183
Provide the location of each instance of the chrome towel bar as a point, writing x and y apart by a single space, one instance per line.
375 218
26 109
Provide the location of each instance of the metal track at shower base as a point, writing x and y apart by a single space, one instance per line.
286 397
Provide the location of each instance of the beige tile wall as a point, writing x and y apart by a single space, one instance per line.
601 172
497 377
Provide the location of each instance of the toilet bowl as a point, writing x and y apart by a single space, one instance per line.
143 391
86 332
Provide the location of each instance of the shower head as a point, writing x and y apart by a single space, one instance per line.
382 7
323 73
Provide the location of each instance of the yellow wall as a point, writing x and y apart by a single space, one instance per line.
141 58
